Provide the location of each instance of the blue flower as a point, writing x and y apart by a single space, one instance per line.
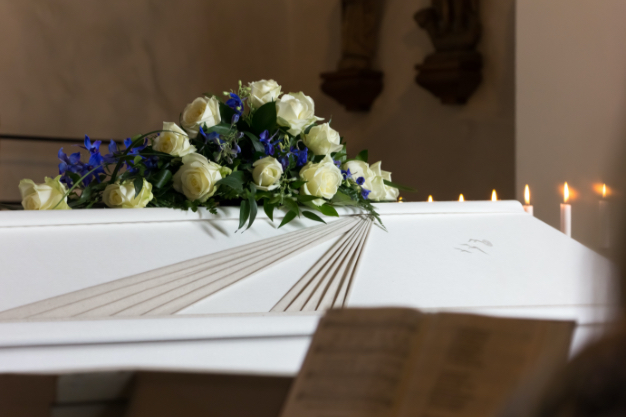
111 157
284 161
69 164
95 163
301 155
138 148
347 175
235 149
235 103
201 132
360 180
134 151
149 162
266 140
365 193
92 148
337 163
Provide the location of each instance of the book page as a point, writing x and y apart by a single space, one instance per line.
356 364
470 365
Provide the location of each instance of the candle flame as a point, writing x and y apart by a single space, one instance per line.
400 200
494 196
527 195
602 189
461 198
565 193
430 198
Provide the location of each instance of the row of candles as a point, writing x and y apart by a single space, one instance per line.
566 212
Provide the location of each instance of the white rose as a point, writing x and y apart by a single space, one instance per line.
296 111
266 173
197 177
44 196
123 195
323 140
262 92
173 141
380 191
323 179
360 169
200 112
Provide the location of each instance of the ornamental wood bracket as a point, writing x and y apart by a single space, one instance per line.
454 71
355 84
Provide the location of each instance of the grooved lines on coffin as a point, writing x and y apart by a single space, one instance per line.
174 287
326 283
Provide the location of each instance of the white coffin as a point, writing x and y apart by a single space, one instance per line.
67 304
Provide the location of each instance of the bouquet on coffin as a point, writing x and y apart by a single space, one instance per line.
259 147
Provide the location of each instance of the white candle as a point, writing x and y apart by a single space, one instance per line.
566 213
605 223
527 207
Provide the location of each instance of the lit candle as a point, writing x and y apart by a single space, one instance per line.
527 207
494 196
400 200
430 198
605 230
461 199
566 213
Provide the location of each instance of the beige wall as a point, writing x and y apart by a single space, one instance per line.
571 100
116 68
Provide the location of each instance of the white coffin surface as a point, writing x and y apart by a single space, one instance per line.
481 257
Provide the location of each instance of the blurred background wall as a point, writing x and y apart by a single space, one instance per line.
571 106
116 68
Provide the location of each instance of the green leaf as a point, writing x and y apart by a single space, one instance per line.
222 129
137 159
138 183
305 198
292 205
256 143
342 199
308 128
269 210
84 197
75 177
288 217
297 184
340 156
226 113
253 210
162 178
329 210
399 187
244 213
264 117
312 216
362 156
234 181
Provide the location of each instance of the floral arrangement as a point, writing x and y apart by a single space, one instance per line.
259 147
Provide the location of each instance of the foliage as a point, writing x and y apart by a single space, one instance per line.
243 136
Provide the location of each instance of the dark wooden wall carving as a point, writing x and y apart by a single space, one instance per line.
356 84
454 70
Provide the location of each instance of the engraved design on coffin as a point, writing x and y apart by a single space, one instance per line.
170 289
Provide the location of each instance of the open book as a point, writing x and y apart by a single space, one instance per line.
396 362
